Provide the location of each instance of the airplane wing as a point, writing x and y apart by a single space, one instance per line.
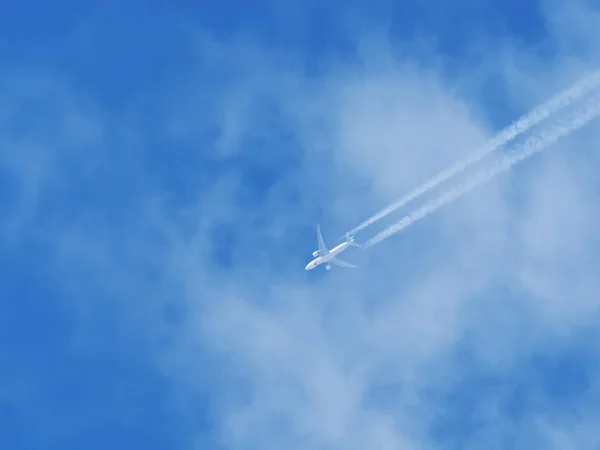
341 263
322 247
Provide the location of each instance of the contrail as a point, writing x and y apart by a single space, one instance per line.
528 149
535 116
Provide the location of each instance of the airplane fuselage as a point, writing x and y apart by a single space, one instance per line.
321 259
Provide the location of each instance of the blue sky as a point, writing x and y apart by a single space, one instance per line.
162 170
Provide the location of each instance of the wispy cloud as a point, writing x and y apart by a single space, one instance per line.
373 362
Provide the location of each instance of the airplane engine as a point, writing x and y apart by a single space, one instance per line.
316 253
328 267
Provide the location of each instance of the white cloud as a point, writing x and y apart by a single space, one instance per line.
355 357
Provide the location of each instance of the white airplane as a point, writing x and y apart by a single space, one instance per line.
323 255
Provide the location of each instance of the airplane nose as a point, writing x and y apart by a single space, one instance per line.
310 265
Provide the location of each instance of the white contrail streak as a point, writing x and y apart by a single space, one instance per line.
534 117
528 149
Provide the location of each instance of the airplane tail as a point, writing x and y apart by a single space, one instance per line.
351 242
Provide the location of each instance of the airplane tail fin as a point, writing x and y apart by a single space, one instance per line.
351 242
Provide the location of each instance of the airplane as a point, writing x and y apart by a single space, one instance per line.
325 256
